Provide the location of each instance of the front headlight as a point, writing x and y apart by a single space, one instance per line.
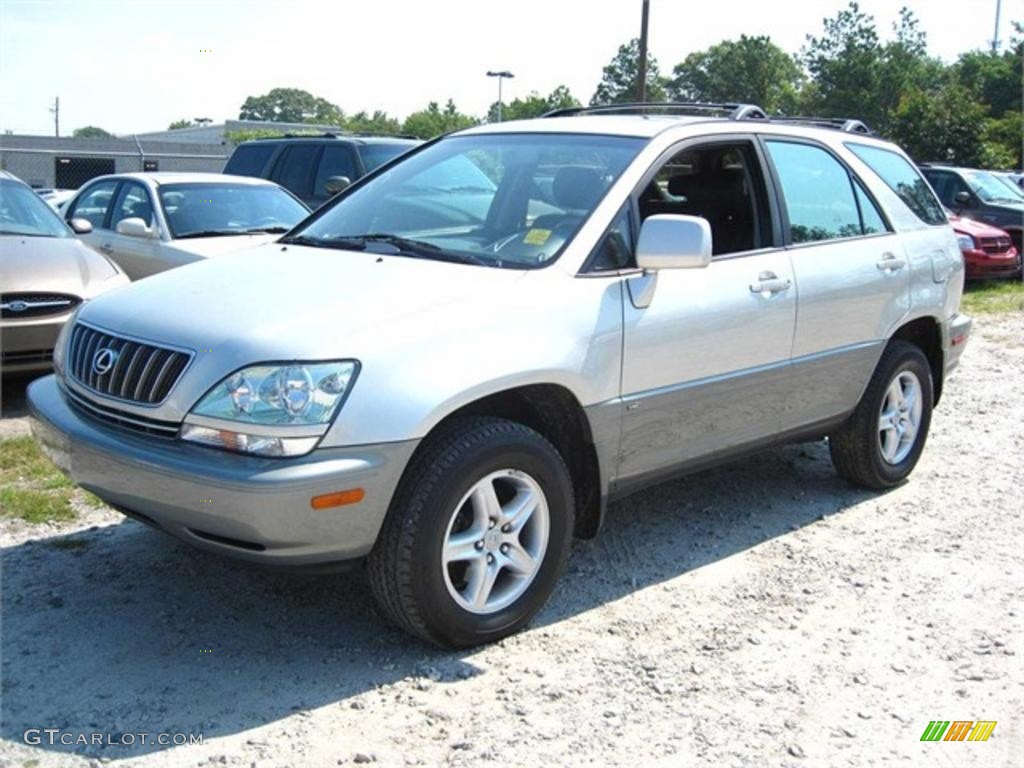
275 409
966 242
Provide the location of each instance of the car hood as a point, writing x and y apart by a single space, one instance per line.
975 228
277 302
51 264
215 246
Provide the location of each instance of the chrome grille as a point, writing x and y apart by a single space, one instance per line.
137 372
36 304
995 244
122 419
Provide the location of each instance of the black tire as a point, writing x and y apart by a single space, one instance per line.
855 447
405 567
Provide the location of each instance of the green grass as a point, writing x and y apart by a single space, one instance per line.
994 296
31 488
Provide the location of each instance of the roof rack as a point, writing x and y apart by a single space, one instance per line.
337 135
733 111
844 124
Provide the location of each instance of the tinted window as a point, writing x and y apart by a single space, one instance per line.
818 193
250 159
93 204
721 183
335 161
228 208
903 179
295 170
375 155
132 203
22 212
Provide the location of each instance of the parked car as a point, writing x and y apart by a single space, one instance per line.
1015 181
55 198
45 273
452 402
988 251
314 168
978 195
149 222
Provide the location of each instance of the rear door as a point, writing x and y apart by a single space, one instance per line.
853 276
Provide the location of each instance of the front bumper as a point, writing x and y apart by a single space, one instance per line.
981 266
247 507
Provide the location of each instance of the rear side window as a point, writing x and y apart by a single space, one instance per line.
903 179
93 204
818 191
249 160
295 170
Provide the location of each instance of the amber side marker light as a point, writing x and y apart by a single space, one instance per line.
337 499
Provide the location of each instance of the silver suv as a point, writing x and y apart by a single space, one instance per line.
449 370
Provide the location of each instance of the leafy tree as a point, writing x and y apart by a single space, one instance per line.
942 125
752 70
379 123
91 132
533 105
237 137
291 105
180 124
433 121
621 79
995 78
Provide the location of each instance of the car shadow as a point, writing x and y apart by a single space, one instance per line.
123 630
12 394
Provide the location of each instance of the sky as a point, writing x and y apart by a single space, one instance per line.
137 65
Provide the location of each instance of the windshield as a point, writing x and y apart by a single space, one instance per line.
375 155
203 209
497 200
23 212
989 188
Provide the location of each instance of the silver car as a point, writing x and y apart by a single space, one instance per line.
149 222
450 391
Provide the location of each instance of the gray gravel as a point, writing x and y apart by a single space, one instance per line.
763 613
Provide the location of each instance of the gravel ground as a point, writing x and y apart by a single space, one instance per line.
763 613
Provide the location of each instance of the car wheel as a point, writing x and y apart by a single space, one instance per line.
477 534
879 445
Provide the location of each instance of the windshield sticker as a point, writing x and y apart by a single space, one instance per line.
537 236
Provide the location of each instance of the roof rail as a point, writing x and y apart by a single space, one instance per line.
845 124
337 135
733 111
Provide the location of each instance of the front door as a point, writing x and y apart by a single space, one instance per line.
705 351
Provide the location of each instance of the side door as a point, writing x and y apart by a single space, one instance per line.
138 256
294 169
335 161
705 351
853 274
93 203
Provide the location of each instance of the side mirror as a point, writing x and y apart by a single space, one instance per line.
80 226
336 184
963 197
134 227
669 241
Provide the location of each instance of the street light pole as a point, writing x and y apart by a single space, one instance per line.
643 51
501 76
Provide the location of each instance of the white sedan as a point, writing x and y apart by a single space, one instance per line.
149 222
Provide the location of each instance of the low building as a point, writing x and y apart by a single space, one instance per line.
220 132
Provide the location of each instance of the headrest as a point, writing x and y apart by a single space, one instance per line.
577 188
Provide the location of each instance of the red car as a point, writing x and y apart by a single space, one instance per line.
988 251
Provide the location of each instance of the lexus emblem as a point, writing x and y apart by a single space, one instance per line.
104 360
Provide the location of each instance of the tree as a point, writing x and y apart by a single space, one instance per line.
291 105
534 105
433 121
944 125
91 132
752 70
379 122
621 79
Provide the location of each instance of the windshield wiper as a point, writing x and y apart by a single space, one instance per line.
409 247
342 243
24 234
211 233
268 230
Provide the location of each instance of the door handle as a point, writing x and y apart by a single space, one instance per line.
769 283
889 263
107 248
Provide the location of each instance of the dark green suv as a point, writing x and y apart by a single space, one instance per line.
315 168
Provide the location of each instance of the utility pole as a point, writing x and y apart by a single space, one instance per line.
643 51
995 34
56 116
501 76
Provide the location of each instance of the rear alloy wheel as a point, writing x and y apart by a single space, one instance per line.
477 534
879 445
